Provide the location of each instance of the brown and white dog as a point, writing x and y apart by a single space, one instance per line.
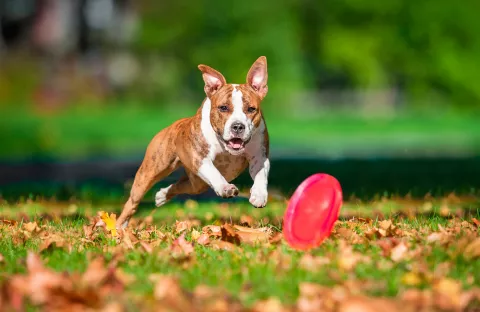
227 134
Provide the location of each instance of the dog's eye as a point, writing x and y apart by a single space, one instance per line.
223 108
251 109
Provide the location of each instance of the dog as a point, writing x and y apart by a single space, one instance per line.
226 135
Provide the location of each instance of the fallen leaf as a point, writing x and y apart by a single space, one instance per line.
181 248
213 230
248 220
31 227
8 222
366 304
472 250
399 252
411 279
344 232
168 291
96 272
312 263
447 294
110 222
203 239
51 244
146 247
269 305
348 259
181 226
476 222
276 238
127 238
385 224
223 245
195 234
229 234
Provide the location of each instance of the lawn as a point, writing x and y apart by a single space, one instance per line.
391 254
115 130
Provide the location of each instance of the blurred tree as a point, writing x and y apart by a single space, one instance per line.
422 48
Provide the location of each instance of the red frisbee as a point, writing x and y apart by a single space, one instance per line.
312 211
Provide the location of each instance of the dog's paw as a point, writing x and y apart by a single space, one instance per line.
161 197
258 197
228 191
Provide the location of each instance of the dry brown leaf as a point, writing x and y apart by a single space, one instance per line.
203 239
213 230
372 233
472 250
312 263
88 230
348 259
181 226
269 305
276 238
253 237
314 297
8 222
385 224
96 272
31 227
113 307
146 246
365 304
344 232
128 238
476 222
181 248
50 244
229 234
281 260
399 252
168 291
245 219
223 245
447 294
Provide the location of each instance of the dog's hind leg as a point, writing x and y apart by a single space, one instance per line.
187 184
147 175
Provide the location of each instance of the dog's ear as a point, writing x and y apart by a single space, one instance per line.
257 76
213 79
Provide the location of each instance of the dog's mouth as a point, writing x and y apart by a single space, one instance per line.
236 144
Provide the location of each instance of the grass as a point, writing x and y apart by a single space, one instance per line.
122 130
358 257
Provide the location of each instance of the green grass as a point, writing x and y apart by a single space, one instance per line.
258 272
126 130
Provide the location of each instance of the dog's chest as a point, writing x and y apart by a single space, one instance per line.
230 166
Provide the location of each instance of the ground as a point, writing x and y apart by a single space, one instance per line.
390 253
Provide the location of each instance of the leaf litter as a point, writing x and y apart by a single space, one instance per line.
356 243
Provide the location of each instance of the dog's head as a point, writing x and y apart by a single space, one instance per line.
235 108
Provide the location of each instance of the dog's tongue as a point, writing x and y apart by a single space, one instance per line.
235 143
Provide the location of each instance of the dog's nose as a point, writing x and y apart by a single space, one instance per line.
238 128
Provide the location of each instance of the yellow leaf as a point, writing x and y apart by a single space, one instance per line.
411 279
195 234
110 222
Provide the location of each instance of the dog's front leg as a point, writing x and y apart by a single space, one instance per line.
259 168
210 174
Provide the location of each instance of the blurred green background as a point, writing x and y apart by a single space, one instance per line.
353 79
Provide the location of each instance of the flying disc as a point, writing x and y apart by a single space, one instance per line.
312 211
